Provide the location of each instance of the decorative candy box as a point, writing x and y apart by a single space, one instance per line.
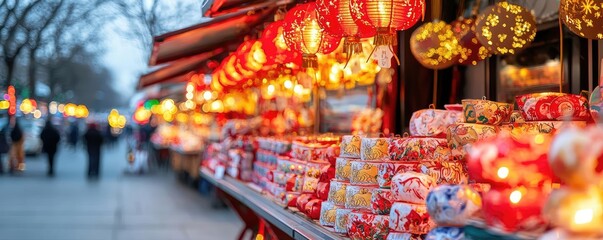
576 156
365 225
453 205
419 149
341 220
350 146
343 167
462 134
454 107
364 172
287 165
412 187
432 122
518 130
410 218
516 117
358 197
328 214
515 209
553 106
387 170
448 233
312 175
381 201
307 152
337 192
374 149
449 172
329 154
506 161
486 112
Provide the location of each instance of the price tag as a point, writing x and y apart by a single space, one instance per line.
219 173
383 55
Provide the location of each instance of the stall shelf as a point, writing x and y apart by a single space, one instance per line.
186 164
286 224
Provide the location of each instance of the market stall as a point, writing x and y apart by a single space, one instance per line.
349 118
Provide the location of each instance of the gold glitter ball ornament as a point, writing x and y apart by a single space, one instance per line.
472 51
505 28
583 17
434 45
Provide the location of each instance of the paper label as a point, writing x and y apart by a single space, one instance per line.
383 55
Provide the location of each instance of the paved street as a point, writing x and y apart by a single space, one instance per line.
115 207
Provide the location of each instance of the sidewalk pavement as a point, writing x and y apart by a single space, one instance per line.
116 207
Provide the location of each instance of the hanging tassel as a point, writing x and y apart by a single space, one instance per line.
351 46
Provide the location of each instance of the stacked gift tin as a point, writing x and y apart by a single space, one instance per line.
547 113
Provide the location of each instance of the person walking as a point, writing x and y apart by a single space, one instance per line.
50 140
3 146
94 140
17 153
74 134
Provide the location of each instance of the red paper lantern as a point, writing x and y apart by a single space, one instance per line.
388 16
335 16
275 47
303 34
250 55
515 209
472 51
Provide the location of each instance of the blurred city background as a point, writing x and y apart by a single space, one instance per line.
77 64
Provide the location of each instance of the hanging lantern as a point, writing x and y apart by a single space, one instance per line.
434 45
335 17
583 17
471 51
387 16
303 34
505 28
251 56
275 47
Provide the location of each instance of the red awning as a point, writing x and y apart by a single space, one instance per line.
219 7
212 34
178 70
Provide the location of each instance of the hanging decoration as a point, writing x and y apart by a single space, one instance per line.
387 16
275 47
303 34
435 45
583 17
471 50
335 17
505 28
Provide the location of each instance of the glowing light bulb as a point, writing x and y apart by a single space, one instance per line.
270 89
288 84
583 216
539 139
207 95
503 172
515 196
298 89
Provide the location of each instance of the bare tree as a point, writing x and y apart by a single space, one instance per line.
151 18
13 34
36 36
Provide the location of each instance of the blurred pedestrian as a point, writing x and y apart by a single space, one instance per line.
50 140
3 146
17 153
74 135
94 141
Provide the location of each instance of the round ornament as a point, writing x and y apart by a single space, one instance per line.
505 28
471 50
434 45
583 17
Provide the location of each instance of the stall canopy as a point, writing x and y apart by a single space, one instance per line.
178 70
212 34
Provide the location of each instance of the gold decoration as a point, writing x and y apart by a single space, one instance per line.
505 28
583 17
472 51
434 45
